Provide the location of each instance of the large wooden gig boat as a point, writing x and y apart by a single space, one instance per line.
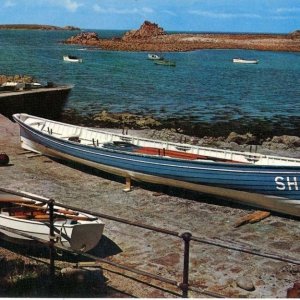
264 181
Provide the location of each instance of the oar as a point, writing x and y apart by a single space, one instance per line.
13 199
72 217
40 217
45 217
62 211
79 218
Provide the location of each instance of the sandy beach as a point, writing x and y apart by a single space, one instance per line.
212 268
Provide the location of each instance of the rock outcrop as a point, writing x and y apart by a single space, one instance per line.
247 138
84 38
16 78
125 120
147 30
295 34
72 28
282 142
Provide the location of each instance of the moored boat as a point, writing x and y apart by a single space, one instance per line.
154 56
12 86
25 213
245 61
33 85
72 58
165 62
269 182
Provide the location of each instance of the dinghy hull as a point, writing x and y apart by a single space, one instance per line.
26 216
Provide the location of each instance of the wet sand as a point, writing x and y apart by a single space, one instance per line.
213 268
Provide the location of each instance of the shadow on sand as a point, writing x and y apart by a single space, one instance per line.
105 248
27 275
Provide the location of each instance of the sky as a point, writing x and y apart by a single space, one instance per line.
267 16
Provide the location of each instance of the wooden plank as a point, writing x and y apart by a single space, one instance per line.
35 155
252 218
24 152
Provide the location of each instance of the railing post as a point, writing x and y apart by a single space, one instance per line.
184 285
51 242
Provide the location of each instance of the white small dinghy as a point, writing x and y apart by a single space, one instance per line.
73 229
154 57
245 61
71 58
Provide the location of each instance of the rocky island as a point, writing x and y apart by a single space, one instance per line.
35 27
150 37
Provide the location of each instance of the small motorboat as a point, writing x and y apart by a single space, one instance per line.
25 214
33 85
164 62
154 57
245 61
72 58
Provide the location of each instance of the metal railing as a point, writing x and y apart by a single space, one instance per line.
185 236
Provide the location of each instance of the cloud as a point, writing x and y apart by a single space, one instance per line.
70 5
171 13
285 13
147 10
111 10
9 3
281 17
288 10
211 14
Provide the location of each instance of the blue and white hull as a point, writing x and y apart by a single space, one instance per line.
264 181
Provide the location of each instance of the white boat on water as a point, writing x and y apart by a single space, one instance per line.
12 86
154 57
72 58
245 61
73 229
35 85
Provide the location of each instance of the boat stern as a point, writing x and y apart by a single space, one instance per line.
86 236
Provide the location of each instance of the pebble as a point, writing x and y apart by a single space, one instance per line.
4 159
86 275
245 283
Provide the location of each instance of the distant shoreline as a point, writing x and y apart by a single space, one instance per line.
35 27
179 42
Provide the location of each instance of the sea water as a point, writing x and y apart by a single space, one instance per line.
205 85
